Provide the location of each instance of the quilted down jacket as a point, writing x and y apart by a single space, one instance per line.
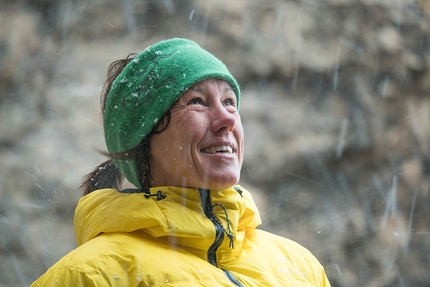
176 236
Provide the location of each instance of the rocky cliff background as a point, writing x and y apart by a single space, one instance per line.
335 106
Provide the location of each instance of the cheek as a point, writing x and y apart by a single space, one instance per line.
239 134
180 146
161 146
241 143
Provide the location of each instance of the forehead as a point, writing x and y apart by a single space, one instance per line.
208 84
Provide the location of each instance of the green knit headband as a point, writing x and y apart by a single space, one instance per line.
146 89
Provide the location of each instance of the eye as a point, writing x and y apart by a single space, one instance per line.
229 102
195 101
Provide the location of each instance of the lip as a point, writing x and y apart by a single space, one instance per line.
218 144
218 149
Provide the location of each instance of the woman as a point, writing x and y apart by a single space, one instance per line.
172 128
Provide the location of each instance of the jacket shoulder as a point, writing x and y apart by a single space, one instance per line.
290 253
95 263
290 247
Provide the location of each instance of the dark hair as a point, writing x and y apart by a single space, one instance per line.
107 175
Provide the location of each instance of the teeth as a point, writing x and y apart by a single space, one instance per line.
218 148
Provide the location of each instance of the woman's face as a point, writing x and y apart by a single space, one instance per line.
203 144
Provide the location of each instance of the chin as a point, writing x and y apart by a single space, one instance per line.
221 183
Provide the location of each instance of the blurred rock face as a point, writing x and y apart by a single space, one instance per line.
336 111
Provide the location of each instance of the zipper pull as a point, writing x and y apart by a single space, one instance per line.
228 231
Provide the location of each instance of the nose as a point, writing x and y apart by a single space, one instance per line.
223 118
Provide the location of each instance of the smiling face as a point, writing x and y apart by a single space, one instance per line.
203 144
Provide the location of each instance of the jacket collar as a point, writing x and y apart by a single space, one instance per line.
176 216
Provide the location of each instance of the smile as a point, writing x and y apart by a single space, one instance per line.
215 149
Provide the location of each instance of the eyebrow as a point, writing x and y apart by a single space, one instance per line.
229 88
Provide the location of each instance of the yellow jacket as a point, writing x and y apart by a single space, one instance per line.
179 237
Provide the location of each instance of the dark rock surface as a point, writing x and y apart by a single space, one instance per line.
335 106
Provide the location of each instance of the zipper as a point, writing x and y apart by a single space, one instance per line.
219 234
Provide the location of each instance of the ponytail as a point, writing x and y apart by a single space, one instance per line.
106 175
